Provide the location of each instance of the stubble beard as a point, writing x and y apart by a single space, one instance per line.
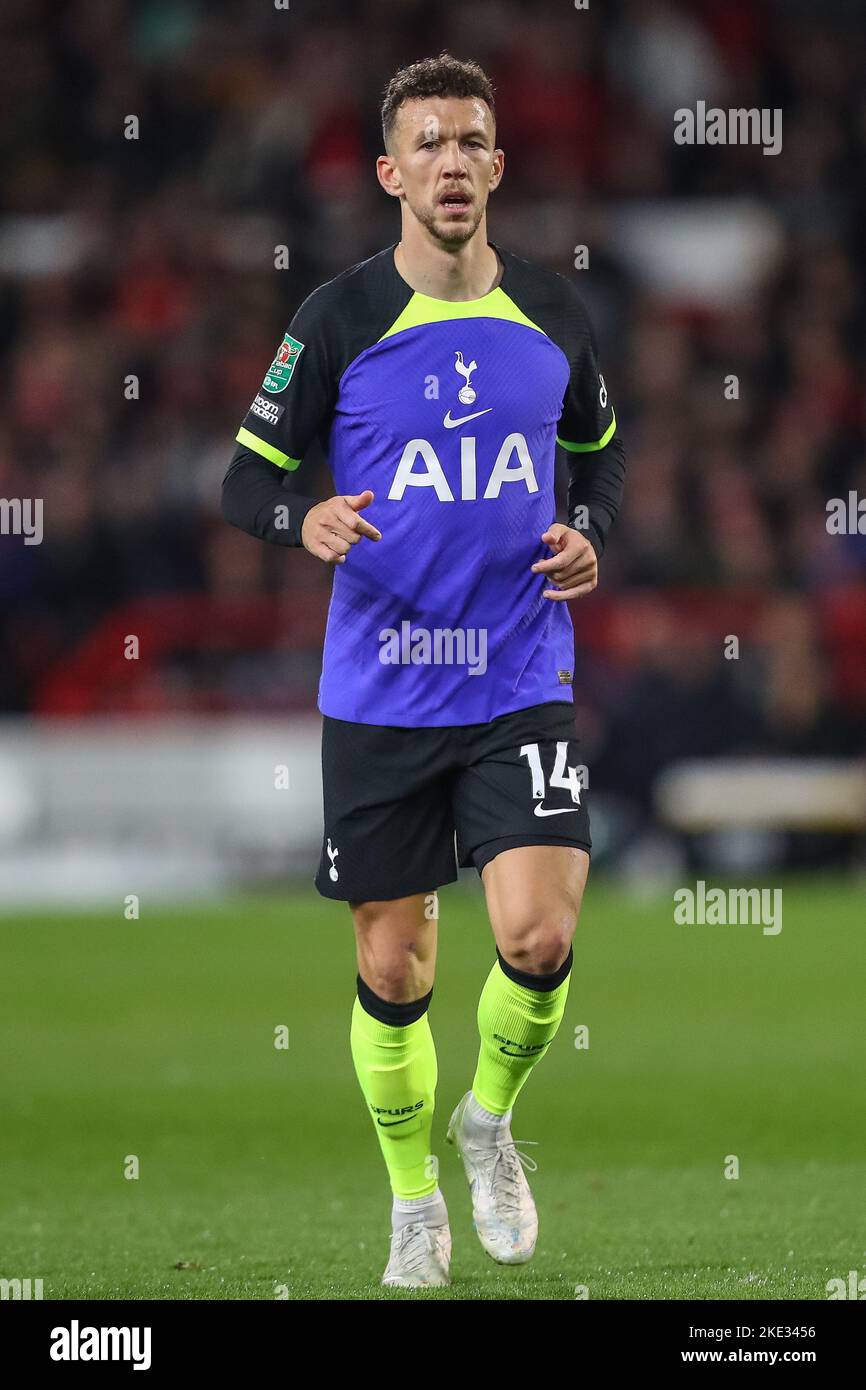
449 234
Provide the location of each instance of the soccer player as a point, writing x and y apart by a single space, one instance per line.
440 375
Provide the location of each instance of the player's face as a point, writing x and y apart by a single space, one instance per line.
445 165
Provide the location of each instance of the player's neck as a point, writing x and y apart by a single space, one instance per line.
469 272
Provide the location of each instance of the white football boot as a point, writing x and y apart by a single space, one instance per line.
503 1212
420 1257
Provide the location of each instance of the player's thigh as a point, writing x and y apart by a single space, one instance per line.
388 824
534 895
396 943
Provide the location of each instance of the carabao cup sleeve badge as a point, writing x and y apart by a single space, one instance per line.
279 373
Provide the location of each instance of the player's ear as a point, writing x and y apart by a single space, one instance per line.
497 170
388 175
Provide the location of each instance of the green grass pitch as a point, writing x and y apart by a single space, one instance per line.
259 1167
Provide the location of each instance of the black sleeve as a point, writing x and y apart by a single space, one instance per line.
295 401
293 406
587 434
595 486
255 498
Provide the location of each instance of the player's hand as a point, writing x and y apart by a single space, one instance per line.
331 528
573 566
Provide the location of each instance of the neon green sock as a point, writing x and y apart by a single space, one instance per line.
516 1025
397 1071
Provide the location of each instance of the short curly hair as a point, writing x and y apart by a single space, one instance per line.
445 76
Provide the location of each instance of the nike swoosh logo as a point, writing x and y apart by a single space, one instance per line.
523 1054
452 424
388 1124
564 811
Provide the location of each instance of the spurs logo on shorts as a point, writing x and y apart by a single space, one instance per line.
333 875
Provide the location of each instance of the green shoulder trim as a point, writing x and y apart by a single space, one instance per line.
267 451
423 309
589 448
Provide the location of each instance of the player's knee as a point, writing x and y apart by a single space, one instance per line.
539 942
396 983
395 956
398 973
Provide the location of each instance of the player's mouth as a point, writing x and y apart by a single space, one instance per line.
455 202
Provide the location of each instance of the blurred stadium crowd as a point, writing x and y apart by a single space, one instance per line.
154 258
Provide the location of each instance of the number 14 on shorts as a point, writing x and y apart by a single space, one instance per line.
562 776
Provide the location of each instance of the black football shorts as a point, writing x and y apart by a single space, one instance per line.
404 807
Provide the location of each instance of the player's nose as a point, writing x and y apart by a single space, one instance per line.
455 160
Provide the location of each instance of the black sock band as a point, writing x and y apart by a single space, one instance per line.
543 983
398 1015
